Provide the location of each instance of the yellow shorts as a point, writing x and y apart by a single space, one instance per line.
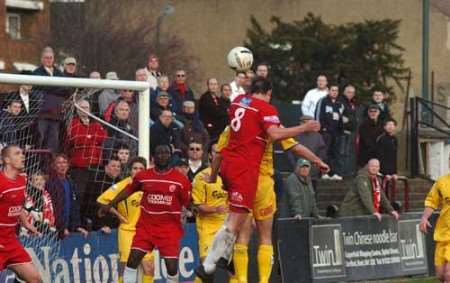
265 203
442 253
125 239
206 231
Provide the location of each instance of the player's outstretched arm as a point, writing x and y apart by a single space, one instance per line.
303 151
425 224
279 133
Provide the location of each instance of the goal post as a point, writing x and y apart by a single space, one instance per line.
142 87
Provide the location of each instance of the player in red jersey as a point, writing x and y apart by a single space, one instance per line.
252 120
12 196
166 192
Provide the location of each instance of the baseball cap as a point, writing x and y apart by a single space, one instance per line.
303 162
70 60
162 94
374 106
111 76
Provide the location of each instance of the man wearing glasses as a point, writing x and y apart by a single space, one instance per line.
195 155
180 92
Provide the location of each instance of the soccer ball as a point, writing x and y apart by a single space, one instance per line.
240 59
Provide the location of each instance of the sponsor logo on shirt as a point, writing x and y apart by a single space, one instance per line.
172 188
14 211
219 195
272 119
159 199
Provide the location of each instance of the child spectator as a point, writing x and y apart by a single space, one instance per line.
39 205
386 148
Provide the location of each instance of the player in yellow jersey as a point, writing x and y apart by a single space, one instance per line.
211 202
263 210
128 212
439 196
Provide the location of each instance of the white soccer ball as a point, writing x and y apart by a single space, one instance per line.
240 59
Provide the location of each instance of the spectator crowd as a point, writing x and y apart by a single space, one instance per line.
90 155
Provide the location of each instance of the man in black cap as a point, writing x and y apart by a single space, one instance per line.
369 130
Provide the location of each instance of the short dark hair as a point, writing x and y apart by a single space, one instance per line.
261 64
59 155
137 159
121 146
112 158
10 102
390 120
241 72
260 85
224 85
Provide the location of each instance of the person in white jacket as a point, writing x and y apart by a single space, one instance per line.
313 96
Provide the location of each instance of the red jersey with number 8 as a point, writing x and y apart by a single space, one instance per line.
12 197
249 120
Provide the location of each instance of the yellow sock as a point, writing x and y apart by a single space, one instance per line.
233 279
120 279
265 259
147 279
198 280
240 258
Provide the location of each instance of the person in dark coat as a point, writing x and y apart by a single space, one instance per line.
119 119
212 108
193 129
369 130
386 149
100 182
50 114
65 198
347 142
164 131
161 103
179 91
314 142
330 113
378 98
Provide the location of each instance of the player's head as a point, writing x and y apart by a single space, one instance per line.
162 156
261 88
136 165
13 157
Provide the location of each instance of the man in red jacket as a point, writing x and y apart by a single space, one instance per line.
84 140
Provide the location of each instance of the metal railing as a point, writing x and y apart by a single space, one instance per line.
425 115
391 191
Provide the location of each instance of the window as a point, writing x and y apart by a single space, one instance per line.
13 25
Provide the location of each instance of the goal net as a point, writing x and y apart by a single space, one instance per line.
78 136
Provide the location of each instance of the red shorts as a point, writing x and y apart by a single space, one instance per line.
12 253
241 182
146 239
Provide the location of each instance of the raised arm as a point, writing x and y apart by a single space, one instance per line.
279 133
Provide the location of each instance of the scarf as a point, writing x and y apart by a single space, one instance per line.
376 191
182 88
